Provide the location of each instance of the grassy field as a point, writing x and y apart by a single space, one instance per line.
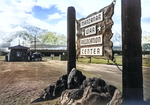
101 60
2 57
145 60
49 58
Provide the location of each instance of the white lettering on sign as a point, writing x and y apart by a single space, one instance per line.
91 20
91 40
90 30
92 51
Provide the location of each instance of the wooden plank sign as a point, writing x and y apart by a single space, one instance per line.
94 34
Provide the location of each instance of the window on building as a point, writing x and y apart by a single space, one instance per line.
19 54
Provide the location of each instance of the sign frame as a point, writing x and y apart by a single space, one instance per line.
86 28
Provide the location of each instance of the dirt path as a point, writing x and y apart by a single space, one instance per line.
107 72
111 74
23 82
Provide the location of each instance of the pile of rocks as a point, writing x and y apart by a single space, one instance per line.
73 81
75 89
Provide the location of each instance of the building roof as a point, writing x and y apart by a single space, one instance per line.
48 47
18 47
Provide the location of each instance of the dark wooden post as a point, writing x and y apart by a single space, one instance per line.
132 52
90 60
71 48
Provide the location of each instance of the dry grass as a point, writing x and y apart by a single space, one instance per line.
49 102
2 57
145 60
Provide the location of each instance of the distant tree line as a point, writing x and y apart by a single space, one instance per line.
42 36
52 38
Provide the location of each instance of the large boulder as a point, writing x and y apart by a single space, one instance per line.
49 92
117 98
93 82
55 90
93 91
87 97
110 89
60 86
75 79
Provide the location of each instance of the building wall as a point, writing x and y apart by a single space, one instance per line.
18 55
49 52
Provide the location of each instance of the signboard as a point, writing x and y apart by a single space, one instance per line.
94 34
91 51
90 30
91 20
91 40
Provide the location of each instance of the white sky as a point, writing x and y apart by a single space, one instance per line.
19 11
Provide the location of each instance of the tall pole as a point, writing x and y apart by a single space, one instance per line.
23 43
35 43
132 77
18 41
35 40
71 48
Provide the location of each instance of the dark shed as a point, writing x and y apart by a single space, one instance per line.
19 53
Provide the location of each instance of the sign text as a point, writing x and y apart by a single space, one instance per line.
90 30
92 51
91 40
91 20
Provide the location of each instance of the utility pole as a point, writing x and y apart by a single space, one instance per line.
35 40
71 46
18 41
23 43
132 77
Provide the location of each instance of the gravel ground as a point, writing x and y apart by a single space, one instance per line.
23 82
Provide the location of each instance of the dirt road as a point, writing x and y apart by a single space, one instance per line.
23 82
111 74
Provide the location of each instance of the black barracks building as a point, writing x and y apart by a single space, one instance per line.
19 53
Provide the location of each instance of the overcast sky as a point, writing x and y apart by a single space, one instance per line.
52 14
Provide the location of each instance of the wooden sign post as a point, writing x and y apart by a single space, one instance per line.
132 52
71 46
94 34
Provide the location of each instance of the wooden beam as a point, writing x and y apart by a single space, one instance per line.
71 46
132 77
